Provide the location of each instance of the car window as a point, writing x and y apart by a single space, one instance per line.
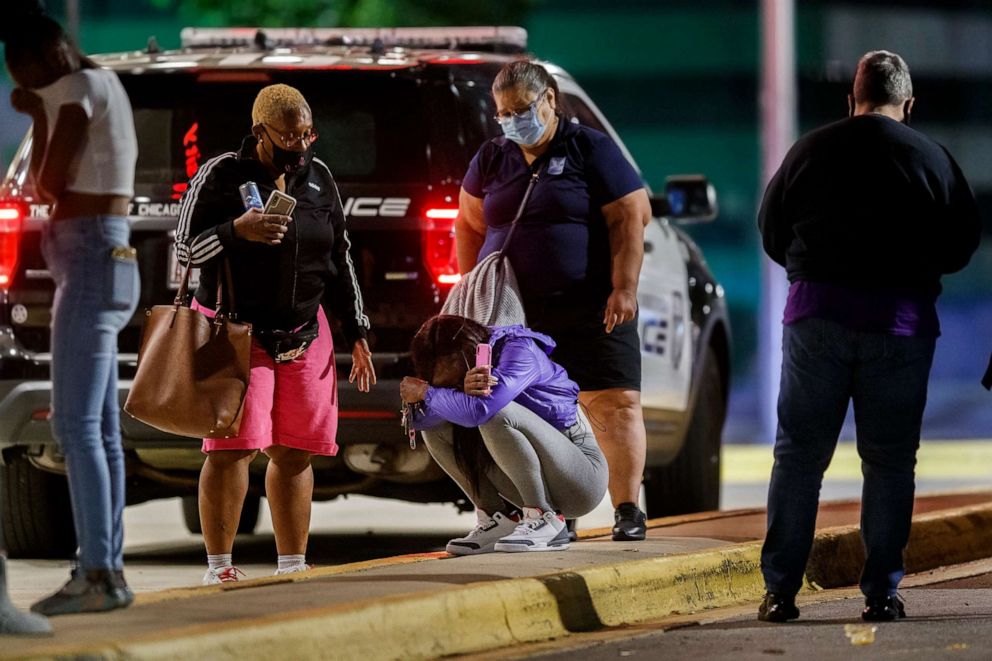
469 108
582 112
370 126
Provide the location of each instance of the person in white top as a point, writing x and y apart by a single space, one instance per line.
82 164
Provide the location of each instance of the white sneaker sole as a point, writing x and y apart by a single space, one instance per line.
524 548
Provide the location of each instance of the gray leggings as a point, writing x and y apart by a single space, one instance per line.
536 465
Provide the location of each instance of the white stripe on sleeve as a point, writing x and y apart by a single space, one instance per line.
360 316
190 199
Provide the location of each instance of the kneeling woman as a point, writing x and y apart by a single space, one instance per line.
511 434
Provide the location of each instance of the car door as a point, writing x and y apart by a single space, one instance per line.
663 291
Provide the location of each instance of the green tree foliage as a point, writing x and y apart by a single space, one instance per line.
347 13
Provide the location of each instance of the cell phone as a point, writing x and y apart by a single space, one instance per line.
280 204
483 355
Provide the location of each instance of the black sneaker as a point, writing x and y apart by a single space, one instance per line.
883 609
631 523
571 525
117 581
87 592
777 608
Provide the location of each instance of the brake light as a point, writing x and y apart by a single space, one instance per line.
440 255
442 214
11 222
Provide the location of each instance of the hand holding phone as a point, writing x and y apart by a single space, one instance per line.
479 380
483 355
280 204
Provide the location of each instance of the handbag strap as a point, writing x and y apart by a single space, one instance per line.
183 290
228 279
226 283
520 210
232 309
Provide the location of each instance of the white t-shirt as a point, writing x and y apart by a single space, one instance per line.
105 162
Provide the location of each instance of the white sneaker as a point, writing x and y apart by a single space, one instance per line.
484 536
222 575
294 569
539 531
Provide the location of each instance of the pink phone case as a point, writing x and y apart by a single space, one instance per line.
483 355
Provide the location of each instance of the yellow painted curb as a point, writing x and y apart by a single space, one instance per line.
937 539
478 617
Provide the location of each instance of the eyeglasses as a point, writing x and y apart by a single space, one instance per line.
532 108
291 140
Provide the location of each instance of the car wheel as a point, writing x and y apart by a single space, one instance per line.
36 512
691 483
249 515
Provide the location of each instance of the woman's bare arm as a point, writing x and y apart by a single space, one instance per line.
27 102
67 139
470 230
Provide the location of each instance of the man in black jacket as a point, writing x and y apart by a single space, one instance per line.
866 215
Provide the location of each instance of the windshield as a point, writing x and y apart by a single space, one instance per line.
369 124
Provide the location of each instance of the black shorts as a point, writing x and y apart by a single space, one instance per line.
593 358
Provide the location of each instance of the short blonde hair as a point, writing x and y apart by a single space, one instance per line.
276 102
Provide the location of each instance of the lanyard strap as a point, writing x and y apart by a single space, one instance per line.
520 210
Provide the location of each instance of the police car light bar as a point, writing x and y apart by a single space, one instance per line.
473 37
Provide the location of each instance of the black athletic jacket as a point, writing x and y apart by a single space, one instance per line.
868 201
276 287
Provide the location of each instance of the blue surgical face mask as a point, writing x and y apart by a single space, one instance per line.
524 128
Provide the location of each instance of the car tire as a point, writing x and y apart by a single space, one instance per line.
691 483
36 512
249 515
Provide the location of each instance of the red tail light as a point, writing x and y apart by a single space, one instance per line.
11 221
439 245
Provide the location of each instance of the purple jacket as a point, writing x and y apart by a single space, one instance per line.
526 376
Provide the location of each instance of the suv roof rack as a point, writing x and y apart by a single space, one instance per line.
494 38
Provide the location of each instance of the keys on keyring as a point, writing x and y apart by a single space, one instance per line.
124 254
407 422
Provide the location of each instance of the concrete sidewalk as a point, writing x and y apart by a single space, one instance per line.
430 605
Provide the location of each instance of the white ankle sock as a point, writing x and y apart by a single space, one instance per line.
289 561
219 561
532 513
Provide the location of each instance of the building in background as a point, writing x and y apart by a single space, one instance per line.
679 79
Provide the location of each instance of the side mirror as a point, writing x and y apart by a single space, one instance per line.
687 199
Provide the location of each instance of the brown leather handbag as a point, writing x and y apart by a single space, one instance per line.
192 370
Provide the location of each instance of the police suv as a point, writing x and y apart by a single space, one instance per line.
400 113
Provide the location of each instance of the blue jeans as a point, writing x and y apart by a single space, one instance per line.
95 296
825 366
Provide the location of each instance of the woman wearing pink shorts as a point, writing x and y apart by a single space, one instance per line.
287 272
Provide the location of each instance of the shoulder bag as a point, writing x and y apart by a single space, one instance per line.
489 293
192 370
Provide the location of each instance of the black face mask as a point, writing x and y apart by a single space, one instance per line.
291 162
287 161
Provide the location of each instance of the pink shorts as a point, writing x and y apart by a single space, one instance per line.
292 404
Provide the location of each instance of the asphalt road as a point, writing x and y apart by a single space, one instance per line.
948 620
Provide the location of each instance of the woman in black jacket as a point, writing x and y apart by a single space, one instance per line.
286 271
